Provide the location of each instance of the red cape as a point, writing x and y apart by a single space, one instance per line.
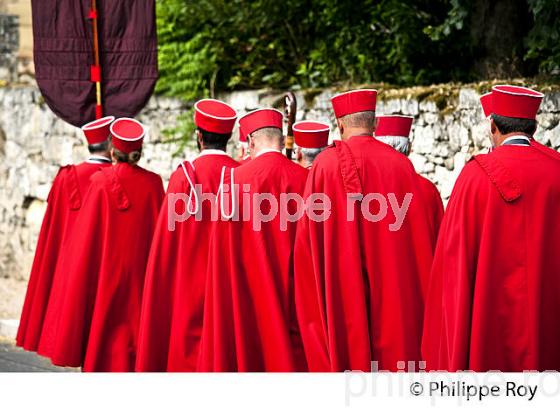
172 306
545 150
494 294
106 265
434 203
359 295
63 204
248 309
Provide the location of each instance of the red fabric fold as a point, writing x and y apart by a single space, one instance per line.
173 301
493 301
99 318
358 285
47 277
248 312
506 185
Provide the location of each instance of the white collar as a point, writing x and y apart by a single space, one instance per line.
211 152
266 151
96 159
516 137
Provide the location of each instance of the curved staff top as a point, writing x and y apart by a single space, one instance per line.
64 57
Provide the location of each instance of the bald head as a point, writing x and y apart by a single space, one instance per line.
359 123
266 138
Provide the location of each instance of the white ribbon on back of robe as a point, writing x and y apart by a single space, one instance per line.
192 190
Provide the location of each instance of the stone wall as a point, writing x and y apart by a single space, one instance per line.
448 129
33 144
9 45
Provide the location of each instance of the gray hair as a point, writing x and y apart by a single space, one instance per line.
364 119
269 133
401 144
309 154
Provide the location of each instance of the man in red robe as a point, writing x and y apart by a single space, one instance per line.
172 307
359 272
394 131
247 310
311 138
64 202
495 284
106 260
486 103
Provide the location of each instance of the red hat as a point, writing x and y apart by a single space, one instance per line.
214 116
311 134
128 134
262 118
486 102
242 134
393 126
354 101
515 102
97 131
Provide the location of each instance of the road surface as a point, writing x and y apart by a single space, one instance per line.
14 359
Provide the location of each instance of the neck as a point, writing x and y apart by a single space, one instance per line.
353 131
265 147
101 154
203 147
500 138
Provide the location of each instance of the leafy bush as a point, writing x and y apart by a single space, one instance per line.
543 41
210 45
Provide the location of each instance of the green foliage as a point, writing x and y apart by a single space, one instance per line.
543 42
216 44
182 133
209 45
455 21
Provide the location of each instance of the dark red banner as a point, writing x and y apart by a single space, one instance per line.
64 56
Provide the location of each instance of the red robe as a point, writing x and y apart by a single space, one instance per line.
544 149
248 311
172 306
433 200
100 315
359 295
64 202
494 298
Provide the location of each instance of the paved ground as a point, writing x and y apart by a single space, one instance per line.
14 359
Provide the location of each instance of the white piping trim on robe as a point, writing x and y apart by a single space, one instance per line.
193 190
220 194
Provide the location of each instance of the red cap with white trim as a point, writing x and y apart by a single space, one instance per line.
214 116
393 126
354 101
486 102
515 102
242 134
128 134
262 118
311 134
98 131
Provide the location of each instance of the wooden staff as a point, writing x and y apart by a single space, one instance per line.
96 70
290 110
